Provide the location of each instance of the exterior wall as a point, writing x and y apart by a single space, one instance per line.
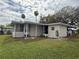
17 33
13 31
61 29
40 30
33 30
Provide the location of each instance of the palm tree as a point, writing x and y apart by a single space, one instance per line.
23 16
36 14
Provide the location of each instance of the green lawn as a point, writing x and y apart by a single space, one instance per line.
38 49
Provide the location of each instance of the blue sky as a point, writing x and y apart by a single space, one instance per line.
12 9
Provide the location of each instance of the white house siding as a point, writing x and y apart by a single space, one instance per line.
51 33
13 32
40 30
33 30
61 29
18 34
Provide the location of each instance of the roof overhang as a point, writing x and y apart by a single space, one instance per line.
54 24
24 22
50 24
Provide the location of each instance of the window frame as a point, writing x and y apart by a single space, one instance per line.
52 28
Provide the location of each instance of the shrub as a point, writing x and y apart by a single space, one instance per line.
9 32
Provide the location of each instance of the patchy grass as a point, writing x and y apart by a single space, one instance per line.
38 49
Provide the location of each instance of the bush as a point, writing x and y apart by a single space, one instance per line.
9 32
1 32
42 36
28 35
78 31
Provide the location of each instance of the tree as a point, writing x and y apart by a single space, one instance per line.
23 16
64 15
36 14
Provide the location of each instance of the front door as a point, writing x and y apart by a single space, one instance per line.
46 29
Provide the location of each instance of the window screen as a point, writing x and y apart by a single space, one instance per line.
52 28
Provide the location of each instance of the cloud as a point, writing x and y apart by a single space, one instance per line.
12 9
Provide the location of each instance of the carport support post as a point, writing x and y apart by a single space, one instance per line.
14 31
43 29
36 27
36 14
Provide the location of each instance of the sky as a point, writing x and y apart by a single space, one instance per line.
12 9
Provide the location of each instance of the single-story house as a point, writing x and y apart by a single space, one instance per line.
51 30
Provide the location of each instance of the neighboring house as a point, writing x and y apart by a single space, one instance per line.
1 31
72 30
8 30
51 30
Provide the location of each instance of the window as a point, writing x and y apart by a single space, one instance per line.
21 27
17 28
52 28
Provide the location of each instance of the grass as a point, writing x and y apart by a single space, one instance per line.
38 49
